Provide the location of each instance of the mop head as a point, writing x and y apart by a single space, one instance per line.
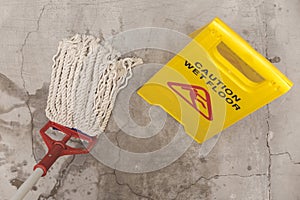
87 75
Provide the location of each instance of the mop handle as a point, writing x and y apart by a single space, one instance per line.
56 149
28 184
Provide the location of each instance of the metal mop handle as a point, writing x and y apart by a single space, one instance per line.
55 150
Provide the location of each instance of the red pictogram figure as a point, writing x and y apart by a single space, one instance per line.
198 97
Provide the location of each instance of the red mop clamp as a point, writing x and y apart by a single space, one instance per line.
60 148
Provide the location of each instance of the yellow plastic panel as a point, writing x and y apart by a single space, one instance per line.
216 80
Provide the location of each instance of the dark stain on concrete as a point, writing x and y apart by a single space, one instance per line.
245 32
38 101
203 160
11 89
16 182
24 163
276 59
13 169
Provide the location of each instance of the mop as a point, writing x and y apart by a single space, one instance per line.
87 74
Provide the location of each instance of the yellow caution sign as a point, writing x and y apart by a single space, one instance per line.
216 80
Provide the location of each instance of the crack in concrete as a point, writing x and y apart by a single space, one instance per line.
129 187
25 42
215 177
27 100
115 175
99 181
266 52
62 173
269 153
289 155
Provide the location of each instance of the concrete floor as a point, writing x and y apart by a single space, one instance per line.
257 158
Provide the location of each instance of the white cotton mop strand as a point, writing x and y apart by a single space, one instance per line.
87 75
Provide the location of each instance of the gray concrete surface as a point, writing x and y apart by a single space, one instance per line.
258 158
